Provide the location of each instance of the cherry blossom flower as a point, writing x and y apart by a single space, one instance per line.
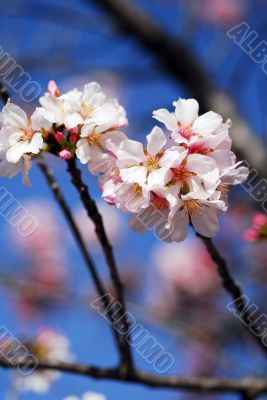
87 396
139 165
48 345
184 124
20 138
76 107
94 144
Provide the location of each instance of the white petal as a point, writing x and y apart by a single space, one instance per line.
84 151
203 166
107 115
223 158
168 119
87 129
206 221
112 139
39 120
93 94
159 177
186 111
135 174
179 227
26 166
155 141
207 123
8 169
72 120
36 143
15 152
130 153
14 116
173 157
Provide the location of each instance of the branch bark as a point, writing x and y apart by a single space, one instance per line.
96 217
253 385
48 174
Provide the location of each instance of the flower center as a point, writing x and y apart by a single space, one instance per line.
94 139
151 163
27 133
185 131
137 189
86 111
159 202
196 148
181 174
223 188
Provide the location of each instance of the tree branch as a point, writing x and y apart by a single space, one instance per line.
48 174
245 385
232 287
96 217
3 93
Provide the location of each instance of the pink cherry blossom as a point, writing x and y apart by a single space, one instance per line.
258 230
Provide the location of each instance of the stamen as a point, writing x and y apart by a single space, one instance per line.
223 188
94 139
192 206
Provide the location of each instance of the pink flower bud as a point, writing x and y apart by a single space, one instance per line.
259 219
73 138
250 235
53 89
74 131
65 154
59 136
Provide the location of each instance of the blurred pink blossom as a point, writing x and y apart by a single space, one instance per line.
258 229
184 268
221 12
46 269
113 223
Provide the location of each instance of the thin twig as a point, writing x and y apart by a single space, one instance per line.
48 174
201 384
4 95
232 287
96 217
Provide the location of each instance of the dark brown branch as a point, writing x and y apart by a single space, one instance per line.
3 93
96 217
180 63
202 384
48 174
232 287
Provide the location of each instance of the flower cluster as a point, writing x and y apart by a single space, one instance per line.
184 174
258 230
80 122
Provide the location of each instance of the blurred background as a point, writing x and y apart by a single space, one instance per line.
172 290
